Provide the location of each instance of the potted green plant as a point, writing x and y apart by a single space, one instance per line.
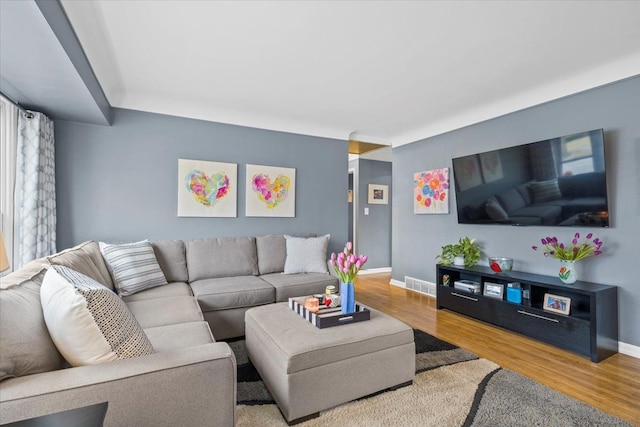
465 252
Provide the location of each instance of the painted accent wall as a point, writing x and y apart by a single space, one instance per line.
119 183
373 231
417 239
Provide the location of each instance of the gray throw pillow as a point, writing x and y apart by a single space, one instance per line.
306 254
133 266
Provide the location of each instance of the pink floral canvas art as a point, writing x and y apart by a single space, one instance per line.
431 192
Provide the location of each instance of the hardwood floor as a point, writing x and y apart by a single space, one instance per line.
612 385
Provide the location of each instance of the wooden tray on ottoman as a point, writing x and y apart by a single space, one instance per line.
328 317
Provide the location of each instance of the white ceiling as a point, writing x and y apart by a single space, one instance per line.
397 70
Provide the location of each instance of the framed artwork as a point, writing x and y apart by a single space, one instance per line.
378 194
270 191
207 189
493 290
431 192
468 172
350 196
556 304
491 166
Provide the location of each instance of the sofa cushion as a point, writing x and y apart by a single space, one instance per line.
133 266
544 191
180 335
165 311
495 211
86 259
25 344
511 200
172 257
88 322
272 253
306 254
232 292
525 192
296 285
221 257
176 289
547 214
33 270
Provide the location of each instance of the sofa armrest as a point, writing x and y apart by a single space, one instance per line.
191 386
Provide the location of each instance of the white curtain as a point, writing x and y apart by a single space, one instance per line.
35 201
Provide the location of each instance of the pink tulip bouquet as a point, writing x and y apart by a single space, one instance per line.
346 264
573 252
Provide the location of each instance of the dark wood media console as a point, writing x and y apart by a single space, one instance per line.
590 328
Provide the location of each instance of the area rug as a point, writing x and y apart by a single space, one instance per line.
452 388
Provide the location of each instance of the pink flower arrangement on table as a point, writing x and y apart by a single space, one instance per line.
346 264
574 252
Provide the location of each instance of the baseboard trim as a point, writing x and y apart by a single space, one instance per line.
397 283
375 270
629 349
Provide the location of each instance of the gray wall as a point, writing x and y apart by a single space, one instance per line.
119 183
417 239
374 230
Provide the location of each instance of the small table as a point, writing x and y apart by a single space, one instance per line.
308 370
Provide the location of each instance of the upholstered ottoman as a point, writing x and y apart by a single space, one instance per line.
308 370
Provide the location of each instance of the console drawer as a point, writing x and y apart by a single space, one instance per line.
562 331
466 303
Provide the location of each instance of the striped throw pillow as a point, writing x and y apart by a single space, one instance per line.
133 266
545 191
88 323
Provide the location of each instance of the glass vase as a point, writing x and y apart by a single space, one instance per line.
347 297
568 271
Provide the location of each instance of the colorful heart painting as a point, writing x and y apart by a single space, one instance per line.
272 193
207 190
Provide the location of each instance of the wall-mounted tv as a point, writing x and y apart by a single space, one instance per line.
556 182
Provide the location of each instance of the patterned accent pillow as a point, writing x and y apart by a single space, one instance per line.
545 191
133 266
88 322
306 254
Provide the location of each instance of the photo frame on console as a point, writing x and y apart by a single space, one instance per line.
494 290
556 304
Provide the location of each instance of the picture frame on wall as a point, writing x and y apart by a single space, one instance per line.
207 189
431 192
468 172
270 191
556 304
494 290
378 194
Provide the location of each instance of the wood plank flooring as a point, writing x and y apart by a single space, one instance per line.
612 385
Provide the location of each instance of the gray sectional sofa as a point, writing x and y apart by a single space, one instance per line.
190 378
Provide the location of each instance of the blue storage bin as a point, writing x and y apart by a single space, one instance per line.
514 295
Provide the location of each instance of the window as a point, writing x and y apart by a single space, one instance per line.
577 155
8 143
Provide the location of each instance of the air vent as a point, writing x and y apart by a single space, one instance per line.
421 286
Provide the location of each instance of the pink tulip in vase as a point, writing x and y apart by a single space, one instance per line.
346 265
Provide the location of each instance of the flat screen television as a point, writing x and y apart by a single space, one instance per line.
555 182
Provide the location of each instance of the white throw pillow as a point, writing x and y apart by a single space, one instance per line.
88 322
133 266
306 254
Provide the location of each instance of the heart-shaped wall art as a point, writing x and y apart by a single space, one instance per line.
207 190
272 193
